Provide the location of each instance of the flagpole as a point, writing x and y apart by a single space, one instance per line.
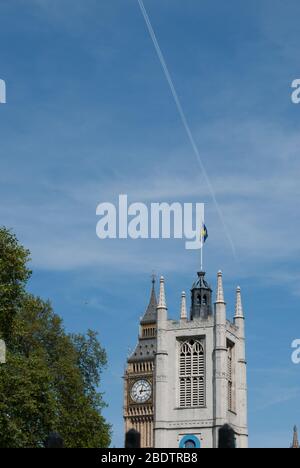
202 248
203 237
201 258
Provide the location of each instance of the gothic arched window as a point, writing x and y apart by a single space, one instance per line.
191 374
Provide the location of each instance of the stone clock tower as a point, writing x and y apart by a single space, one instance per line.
139 378
187 377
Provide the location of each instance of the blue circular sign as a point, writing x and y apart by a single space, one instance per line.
190 442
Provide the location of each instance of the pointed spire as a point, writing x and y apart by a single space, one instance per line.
150 315
220 291
238 306
162 304
295 439
183 314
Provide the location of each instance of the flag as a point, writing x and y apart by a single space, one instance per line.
204 233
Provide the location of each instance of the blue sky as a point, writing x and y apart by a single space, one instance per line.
89 116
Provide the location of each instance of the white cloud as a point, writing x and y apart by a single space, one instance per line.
258 194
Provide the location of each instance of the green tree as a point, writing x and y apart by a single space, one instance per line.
51 379
14 274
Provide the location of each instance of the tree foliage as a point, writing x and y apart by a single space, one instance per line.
50 381
13 277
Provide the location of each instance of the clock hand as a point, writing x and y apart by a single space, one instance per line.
143 390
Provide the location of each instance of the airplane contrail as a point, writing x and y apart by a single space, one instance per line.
185 122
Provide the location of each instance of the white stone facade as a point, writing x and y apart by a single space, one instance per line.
174 424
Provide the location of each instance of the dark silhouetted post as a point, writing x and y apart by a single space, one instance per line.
133 439
226 437
54 440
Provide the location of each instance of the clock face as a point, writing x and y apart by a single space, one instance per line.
141 391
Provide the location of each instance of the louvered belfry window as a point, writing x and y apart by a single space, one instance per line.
192 374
